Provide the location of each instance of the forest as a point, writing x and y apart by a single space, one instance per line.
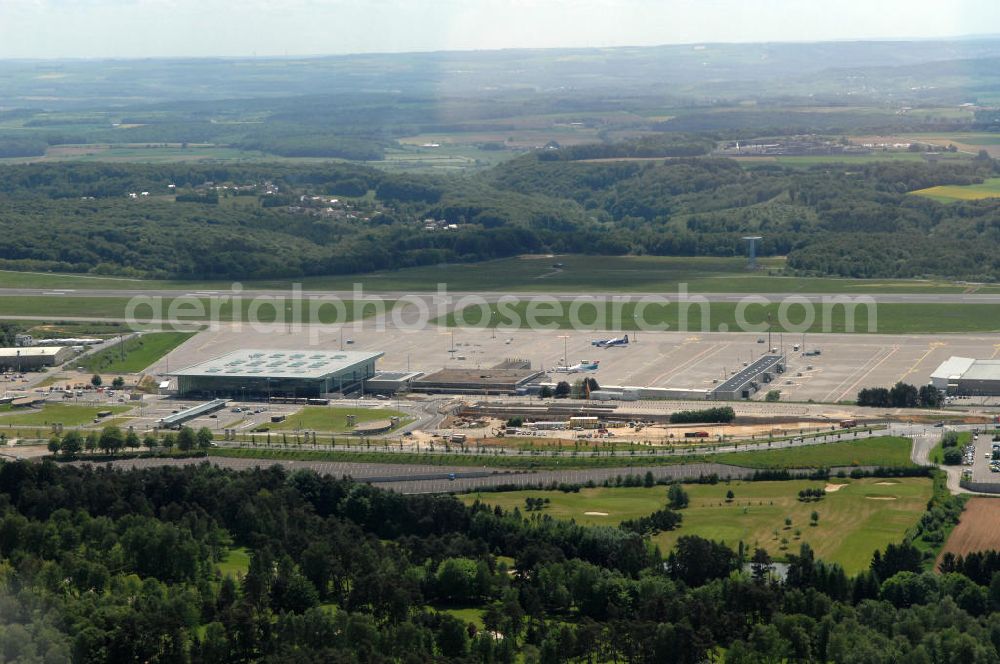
101 565
827 219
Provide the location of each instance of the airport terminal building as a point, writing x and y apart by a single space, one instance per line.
288 373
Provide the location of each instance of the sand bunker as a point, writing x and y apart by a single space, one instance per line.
595 513
885 483
881 497
833 488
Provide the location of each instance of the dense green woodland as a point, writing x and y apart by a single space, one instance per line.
832 219
99 566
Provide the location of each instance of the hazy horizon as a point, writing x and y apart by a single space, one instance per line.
128 29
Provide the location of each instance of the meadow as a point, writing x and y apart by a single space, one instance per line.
885 451
185 309
874 451
137 354
971 192
333 420
535 273
857 519
888 318
69 415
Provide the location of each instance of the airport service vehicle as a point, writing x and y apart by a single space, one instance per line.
847 424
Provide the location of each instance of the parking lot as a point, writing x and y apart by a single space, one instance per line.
982 459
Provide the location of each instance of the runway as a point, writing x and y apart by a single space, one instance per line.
880 298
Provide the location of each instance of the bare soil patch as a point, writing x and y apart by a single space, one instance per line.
977 530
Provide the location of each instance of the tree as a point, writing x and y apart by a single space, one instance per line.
648 480
772 396
112 439
55 444
204 437
730 496
169 440
591 383
92 442
952 456
95 380
761 565
814 518
72 443
132 440
118 382
696 560
930 396
677 497
562 390
149 441
186 439
545 392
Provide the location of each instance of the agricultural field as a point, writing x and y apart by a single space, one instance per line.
971 192
70 415
978 528
333 420
889 318
138 353
886 451
856 518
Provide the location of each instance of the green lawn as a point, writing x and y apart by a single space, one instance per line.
855 521
332 419
936 454
887 451
235 563
140 352
583 274
890 318
69 415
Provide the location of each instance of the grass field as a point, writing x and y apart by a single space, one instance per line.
856 520
950 193
69 415
235 563
140 352
895 454
333 420
886 318
660 274
183 309
887 451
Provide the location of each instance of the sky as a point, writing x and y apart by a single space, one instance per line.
195 28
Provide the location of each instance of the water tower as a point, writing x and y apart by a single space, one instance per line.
752 241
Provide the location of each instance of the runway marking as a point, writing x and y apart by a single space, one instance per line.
705 354
875 356
874 367
996 349
930 349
